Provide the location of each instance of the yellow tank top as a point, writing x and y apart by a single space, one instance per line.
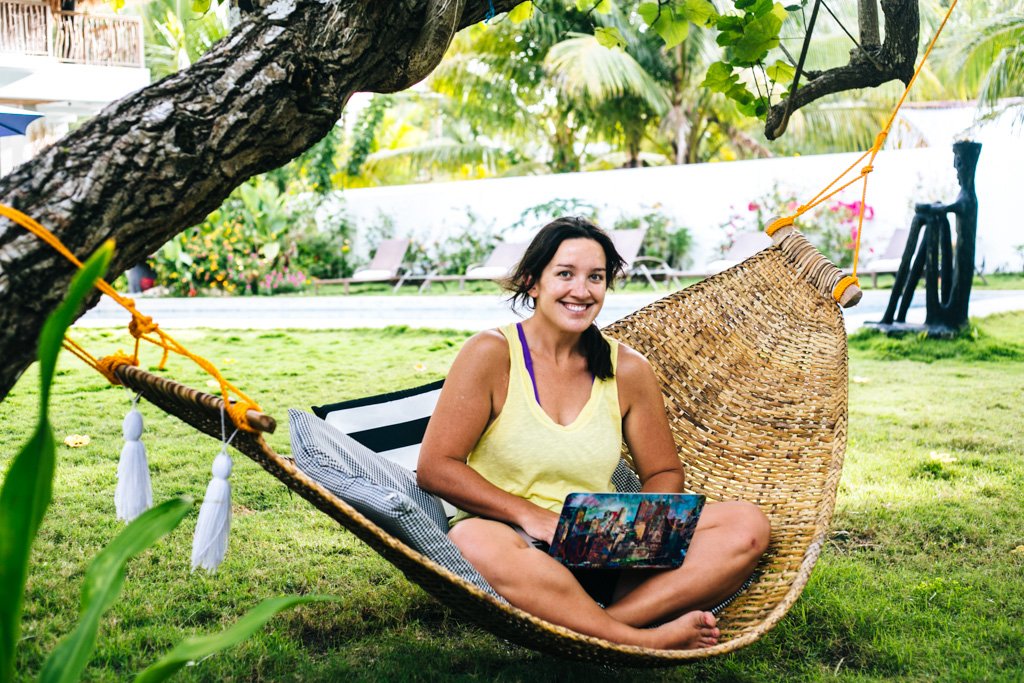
530 455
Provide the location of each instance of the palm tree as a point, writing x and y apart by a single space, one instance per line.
987 61
176 35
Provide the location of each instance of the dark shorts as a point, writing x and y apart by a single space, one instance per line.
599 583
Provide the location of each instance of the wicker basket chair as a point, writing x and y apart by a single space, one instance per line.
754 369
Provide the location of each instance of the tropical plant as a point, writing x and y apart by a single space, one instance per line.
177 34
247 246
664 240
24 499
987 61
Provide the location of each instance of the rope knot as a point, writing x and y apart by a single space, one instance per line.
108 365
237 412
867 169
140 325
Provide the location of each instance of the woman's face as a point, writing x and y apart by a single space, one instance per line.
572 285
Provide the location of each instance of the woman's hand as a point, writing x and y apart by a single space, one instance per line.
540 523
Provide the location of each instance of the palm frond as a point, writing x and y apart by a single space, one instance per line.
441 156
587 71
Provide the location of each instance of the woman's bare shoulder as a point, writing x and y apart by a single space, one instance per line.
483 352
631 365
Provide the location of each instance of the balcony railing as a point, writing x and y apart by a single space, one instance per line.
28 27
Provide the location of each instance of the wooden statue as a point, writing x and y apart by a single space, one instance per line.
948 268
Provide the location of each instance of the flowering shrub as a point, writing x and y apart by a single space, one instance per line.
244 247
831 227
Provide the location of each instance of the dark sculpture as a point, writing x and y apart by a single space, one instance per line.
948 269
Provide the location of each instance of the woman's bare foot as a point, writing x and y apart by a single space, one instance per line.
691 631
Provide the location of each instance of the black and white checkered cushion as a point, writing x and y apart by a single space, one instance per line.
383 491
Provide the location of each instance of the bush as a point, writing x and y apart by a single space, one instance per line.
832 227
665 239
246 246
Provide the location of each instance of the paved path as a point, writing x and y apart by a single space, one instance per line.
473 312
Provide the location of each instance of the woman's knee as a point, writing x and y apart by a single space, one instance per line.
749 525
758 526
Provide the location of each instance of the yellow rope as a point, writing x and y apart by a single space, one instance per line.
141 327
824 195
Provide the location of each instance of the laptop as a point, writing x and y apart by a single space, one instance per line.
625 530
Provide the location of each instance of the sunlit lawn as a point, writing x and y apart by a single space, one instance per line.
920 579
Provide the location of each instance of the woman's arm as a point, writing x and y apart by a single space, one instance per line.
473 395
645 425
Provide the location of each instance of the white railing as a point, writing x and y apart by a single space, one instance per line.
29 27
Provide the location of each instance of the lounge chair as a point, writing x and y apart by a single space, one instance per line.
386 266
889 261
628 243
499 264
745 245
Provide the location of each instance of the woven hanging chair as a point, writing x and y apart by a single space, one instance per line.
753 366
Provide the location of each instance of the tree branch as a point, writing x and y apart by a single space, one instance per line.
159 160
896 56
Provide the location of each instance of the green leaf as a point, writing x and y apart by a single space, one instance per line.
743 4
700 12
604 7
648 11
673 31
194 649
781 72
719 78
270 250
102 585
28 485
609 36
201 6
672 26
521 12
780 12
759 36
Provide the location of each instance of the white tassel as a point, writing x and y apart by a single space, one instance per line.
134 494
211 538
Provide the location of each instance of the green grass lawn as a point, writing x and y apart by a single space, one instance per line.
920 579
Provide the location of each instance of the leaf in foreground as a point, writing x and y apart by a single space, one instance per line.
102 585
194 649
28 485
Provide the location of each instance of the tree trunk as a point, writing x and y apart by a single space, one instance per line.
159 160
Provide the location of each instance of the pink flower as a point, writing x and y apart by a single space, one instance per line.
753 206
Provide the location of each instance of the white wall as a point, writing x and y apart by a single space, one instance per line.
703 196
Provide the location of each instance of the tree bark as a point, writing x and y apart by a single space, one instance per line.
867 22
160 159
895 57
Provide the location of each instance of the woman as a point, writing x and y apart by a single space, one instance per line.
532 412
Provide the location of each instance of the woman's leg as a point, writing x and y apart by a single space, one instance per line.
536 583
728 543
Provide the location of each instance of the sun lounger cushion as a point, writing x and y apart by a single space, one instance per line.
381 490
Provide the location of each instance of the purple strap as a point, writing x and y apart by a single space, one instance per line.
529 360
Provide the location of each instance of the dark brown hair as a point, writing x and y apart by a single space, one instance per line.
538 255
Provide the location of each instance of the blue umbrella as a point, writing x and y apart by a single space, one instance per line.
14 121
